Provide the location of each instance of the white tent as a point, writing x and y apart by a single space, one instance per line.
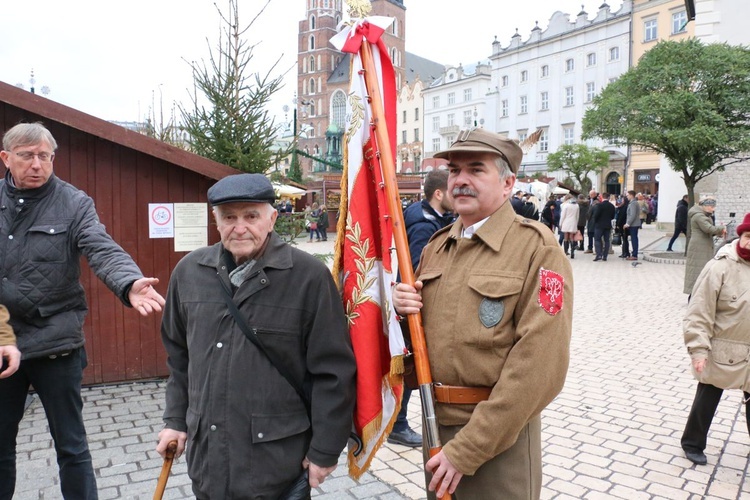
287 191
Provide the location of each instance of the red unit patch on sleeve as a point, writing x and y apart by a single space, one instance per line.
550 291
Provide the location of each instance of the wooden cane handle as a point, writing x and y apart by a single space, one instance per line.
166 467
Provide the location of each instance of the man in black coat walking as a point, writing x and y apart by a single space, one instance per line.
602 215
680 221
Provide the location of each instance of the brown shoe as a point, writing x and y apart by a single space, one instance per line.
631 258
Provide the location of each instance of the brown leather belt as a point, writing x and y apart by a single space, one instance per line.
456 395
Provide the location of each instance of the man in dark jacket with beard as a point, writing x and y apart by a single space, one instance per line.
46 225
248 432
422 220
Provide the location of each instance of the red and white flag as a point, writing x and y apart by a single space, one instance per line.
363 256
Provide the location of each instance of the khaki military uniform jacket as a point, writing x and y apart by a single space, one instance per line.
485 326
6 331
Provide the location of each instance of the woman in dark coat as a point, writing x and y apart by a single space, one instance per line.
548 214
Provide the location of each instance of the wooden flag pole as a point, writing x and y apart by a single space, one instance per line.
419 346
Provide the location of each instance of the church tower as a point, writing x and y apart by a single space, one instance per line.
323 77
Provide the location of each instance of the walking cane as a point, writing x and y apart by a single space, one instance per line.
165 468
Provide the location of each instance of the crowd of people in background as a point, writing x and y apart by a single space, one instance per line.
577 220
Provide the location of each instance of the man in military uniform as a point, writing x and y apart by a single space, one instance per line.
498 300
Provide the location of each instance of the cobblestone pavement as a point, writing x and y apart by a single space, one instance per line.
613 432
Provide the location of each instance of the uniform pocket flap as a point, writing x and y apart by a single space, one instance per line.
49 228
495 286
727 352
429 275
267 428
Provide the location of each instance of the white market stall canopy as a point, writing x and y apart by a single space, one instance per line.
287 191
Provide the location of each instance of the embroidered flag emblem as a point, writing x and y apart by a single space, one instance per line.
550 291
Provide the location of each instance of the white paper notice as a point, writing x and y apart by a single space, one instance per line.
191 226
160 220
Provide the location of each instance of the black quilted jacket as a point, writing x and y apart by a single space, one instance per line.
43 233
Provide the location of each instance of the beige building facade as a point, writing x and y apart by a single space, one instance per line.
653 21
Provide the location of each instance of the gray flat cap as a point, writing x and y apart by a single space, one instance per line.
243 188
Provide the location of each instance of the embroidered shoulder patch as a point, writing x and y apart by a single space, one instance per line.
550 291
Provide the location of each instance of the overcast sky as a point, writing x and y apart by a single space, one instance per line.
112 59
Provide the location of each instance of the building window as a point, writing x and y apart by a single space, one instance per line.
312 85
435 123
545 71
614 54
649 30
311 107
311 43
312 64
435 101
467 95
524 105
467 118
338 108
544 141
449 140
591 59
451 119
436 145
590 91
568 134
569 99
312 22
504 107
403 119
679 22
522 135
524 76
416 113
544 101
505 80
570 65
451 98
416 134
403 137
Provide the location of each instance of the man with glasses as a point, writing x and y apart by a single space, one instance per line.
45 226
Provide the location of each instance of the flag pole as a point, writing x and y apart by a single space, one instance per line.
419 346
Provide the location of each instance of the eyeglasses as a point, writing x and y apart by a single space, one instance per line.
28 156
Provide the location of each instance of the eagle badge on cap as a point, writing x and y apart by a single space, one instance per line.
550 291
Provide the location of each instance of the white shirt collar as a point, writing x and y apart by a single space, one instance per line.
468 232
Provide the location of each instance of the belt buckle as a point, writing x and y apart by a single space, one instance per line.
61 355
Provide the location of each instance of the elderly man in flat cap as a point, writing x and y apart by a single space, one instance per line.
498 300
261 386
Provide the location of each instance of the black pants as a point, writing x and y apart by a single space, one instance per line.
677 231
625 243
601 242
58 385
706 401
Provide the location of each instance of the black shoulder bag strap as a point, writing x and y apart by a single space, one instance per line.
252 337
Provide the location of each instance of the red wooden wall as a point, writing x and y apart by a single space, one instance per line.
122 180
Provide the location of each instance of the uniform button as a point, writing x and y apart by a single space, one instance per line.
20 201
51 230
10 236
5 279
260 435
213 427
219 345
263 281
